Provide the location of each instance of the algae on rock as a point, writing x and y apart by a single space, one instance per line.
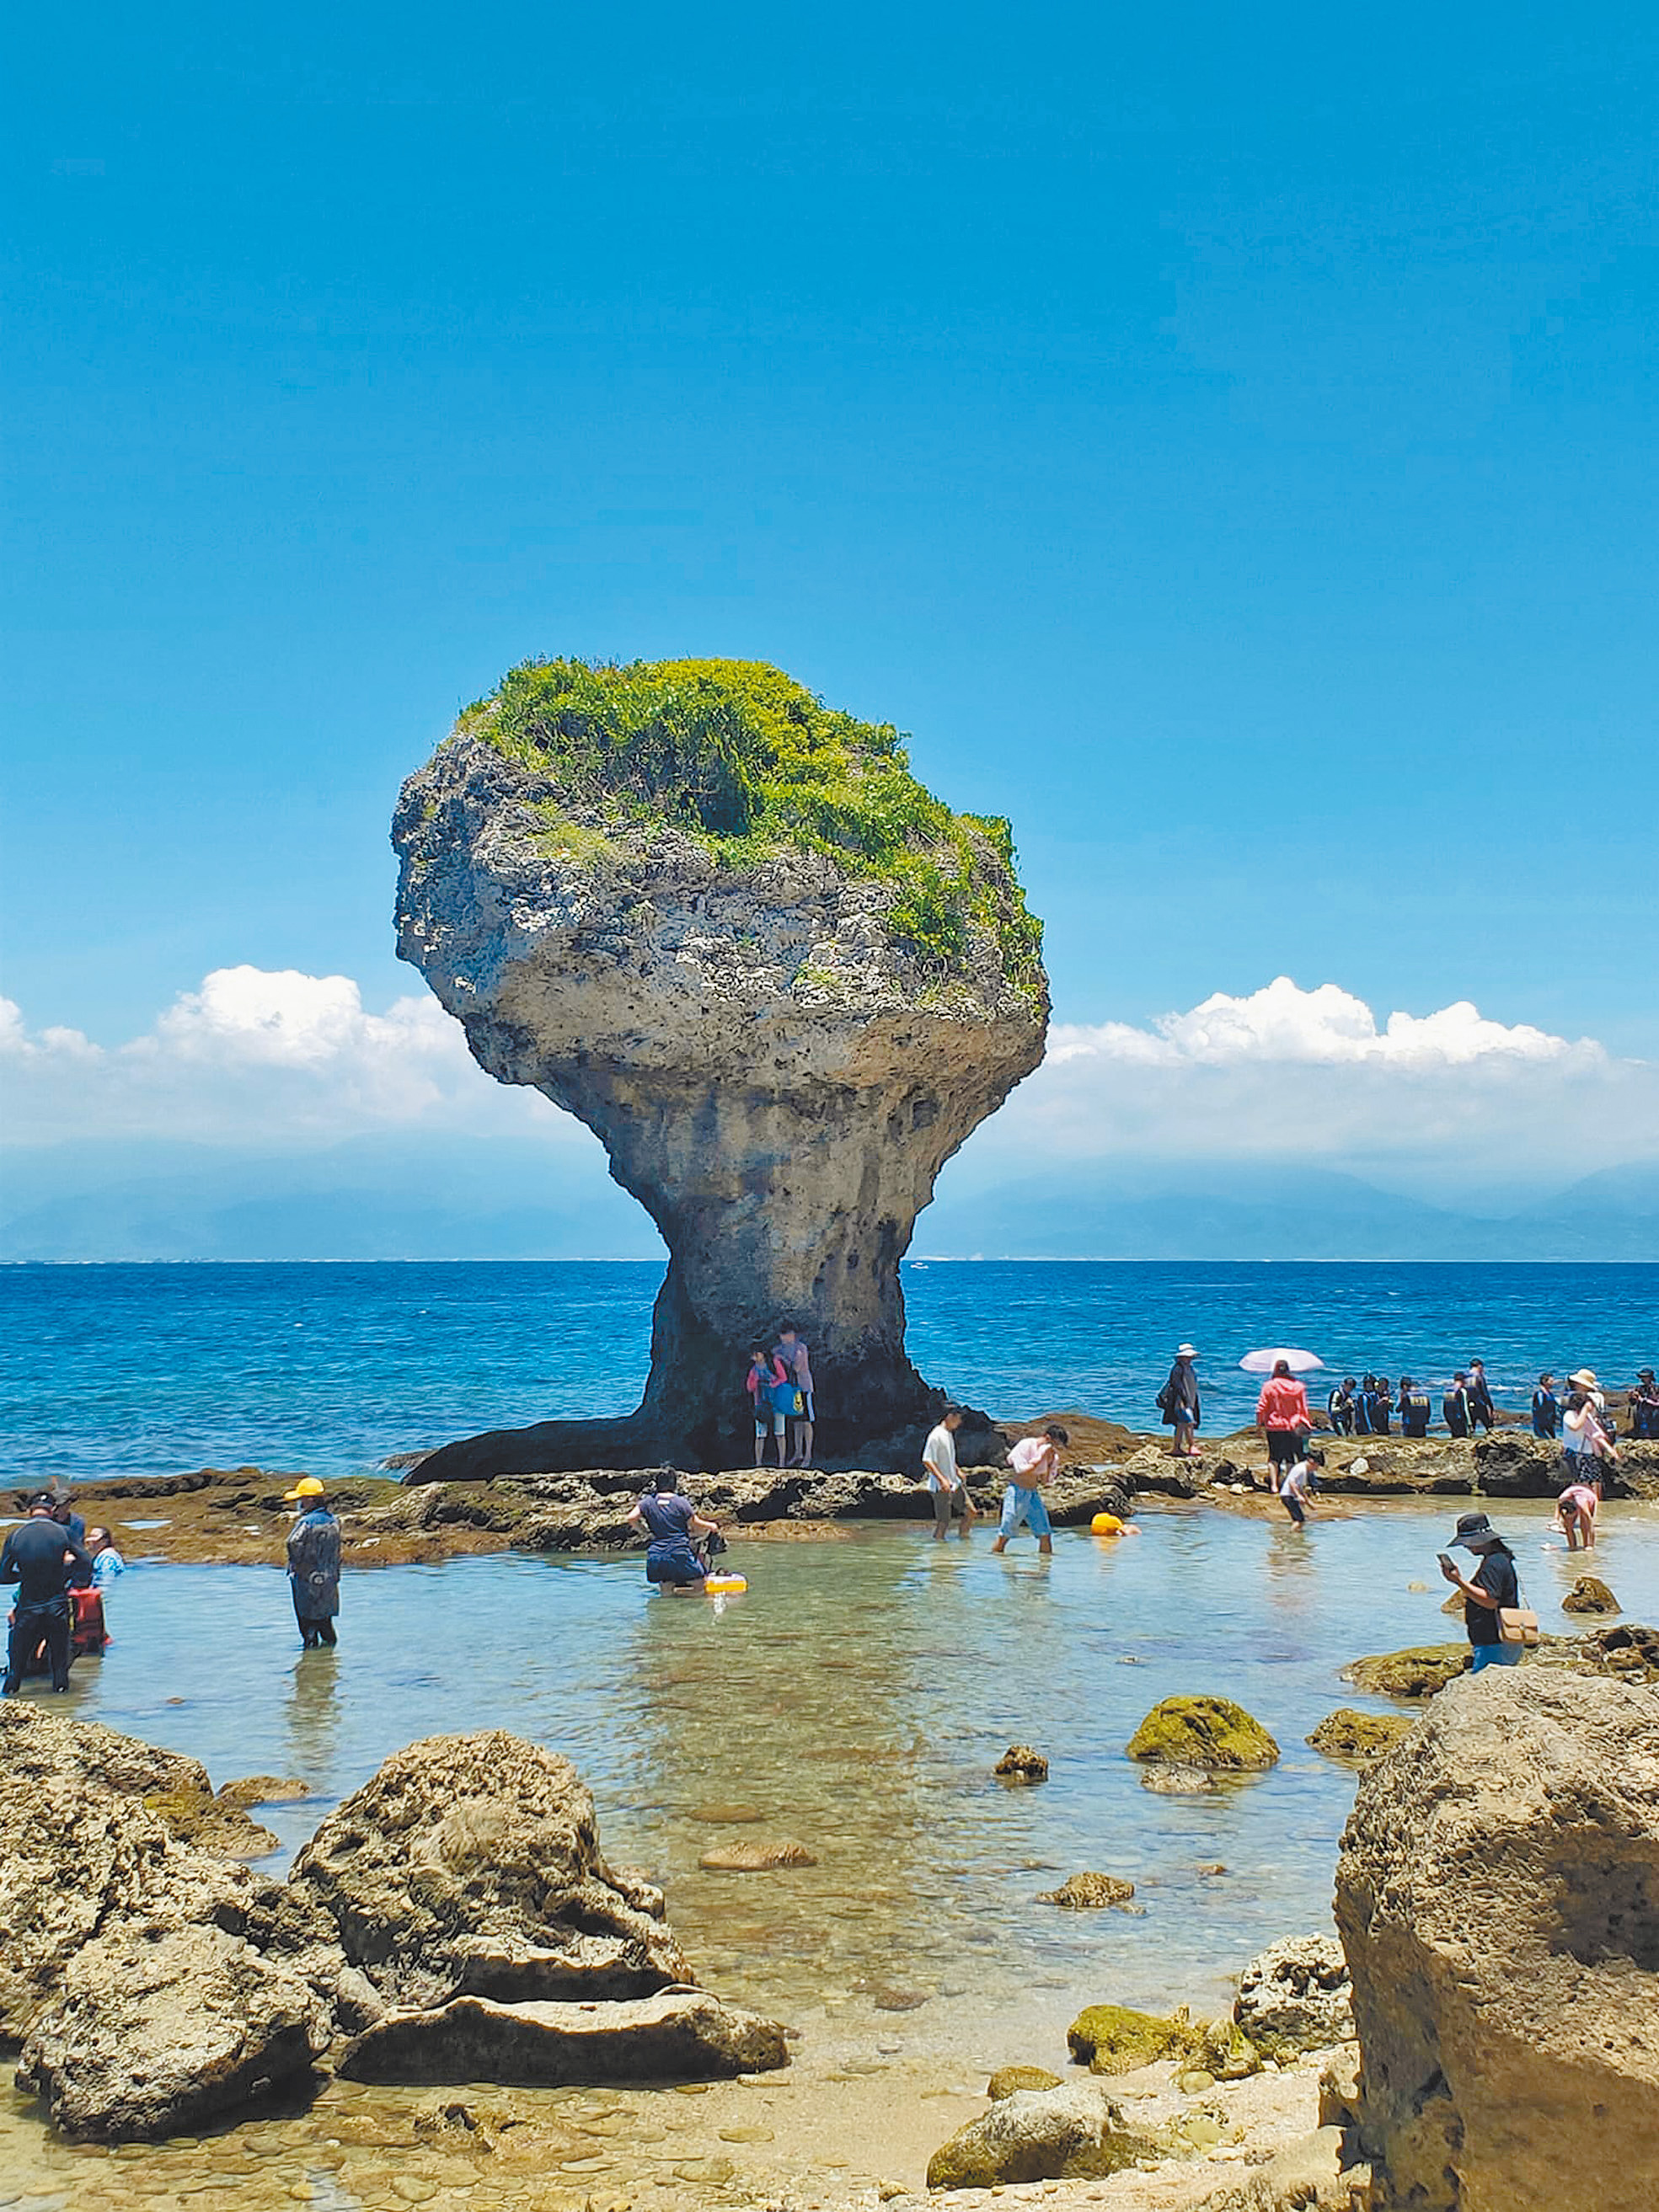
728 929
1110 2038
1212 1734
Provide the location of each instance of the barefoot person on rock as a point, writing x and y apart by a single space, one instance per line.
790 1352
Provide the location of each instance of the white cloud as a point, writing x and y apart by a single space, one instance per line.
1288 1074
1283 1023
256 1055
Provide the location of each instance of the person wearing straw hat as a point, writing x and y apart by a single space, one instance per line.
313 1564
1178 1401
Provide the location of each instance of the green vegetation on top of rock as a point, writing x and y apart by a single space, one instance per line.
1211 1733
740 756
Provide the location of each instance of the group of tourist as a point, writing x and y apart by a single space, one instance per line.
62 1570
780 1387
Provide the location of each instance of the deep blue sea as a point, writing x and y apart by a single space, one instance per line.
328 1368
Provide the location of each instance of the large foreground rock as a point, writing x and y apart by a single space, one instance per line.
470 1865
1041 2134
680 2035
80 1850
1497 1896
152 2031
781 983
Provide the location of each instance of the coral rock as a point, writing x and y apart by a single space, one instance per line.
1111 2038
678 2035
1420 1671
1498 1897
1589 1593
1041 2134
1019 1763
1086 1892
1295 1997
1357 1738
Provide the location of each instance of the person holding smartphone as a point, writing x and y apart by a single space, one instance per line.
1494 1586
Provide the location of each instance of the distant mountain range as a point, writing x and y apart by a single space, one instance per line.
427 1199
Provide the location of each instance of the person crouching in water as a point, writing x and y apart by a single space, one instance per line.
1294 1491
1575 1515
313 1565
671 1522
1035 1460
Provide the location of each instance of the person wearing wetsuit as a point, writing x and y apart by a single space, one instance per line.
1339 1407
1545 1408
1381 1408
1416 1408
671 1522
1455 1405
1483 1414
41 1556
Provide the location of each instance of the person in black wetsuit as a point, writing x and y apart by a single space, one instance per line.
1416 1408
1455 1405
1483 1414
40 1557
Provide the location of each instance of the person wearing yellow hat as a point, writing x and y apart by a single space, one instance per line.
313 1564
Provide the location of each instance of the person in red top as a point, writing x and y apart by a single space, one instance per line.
1282 1412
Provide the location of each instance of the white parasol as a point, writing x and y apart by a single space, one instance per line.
1264 1362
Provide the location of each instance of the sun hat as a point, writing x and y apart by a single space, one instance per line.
306 1487
1185 1351
1586 1375
1474 1532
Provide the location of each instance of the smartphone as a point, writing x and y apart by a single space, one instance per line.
1446 1561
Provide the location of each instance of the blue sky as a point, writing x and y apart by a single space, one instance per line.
1224 438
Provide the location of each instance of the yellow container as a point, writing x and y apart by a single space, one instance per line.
725 1585
1105 1524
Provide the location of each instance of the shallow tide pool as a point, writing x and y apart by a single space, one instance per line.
858 1696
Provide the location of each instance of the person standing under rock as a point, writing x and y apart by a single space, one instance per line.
1495 1586
939 1459
790 1352
313 1565
765 1383
1178 1401
671 1522
1281 1412
41 1558
1035 1460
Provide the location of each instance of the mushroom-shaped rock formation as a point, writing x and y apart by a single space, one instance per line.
726 927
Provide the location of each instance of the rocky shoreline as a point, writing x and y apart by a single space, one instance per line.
1482 2033
237 1516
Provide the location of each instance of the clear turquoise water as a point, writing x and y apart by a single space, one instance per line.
329 1368
860 1695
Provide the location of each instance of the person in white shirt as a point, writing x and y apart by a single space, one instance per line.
939 1459
1294 1491
1035 1460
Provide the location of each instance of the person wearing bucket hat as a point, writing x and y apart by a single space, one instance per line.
313 1564
1493 1586
1178 1401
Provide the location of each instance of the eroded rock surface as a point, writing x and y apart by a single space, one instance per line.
678 2035
152 2030
1295 1996
776 1062
1041 2134
1212 1734
1497 1896
470 1865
